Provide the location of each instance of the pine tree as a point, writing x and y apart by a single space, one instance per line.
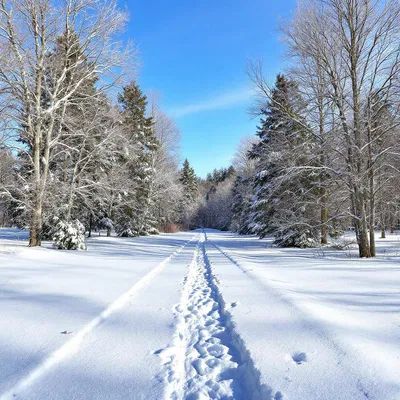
138 217
190 188
188 180
281 189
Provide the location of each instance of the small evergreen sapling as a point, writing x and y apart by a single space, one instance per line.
69 235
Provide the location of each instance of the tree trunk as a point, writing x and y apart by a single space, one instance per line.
35 229
323 192
393 219
372 248
324 218
360 224
363 245
371 221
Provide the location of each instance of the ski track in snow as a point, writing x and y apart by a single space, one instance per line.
72 345
265 393
207 359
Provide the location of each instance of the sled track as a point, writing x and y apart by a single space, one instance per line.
208 359
72 345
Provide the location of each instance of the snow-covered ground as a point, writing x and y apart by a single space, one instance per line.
197 315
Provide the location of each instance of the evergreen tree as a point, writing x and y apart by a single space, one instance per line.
281 188
139 216
189 184
188 180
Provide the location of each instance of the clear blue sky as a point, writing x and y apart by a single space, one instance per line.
193 53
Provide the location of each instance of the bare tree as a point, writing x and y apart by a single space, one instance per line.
167 190
241 162
40 89
354 45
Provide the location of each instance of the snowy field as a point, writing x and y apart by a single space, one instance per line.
197 316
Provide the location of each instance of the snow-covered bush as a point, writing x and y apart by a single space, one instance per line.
295 238
48 227
149 230
125 228
69 235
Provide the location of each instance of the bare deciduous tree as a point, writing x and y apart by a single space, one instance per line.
41 90
353 45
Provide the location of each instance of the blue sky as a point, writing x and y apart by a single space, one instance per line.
193 53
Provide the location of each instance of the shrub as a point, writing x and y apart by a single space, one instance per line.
295 238
69 235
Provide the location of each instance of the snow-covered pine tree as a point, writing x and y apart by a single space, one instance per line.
281 187
139 214
189 182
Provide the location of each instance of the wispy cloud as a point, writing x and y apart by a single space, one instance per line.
224 100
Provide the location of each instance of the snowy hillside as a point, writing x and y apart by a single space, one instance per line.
197 315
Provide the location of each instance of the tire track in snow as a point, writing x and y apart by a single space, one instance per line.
72 345
207 359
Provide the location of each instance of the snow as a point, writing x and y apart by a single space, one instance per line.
343 314
197 316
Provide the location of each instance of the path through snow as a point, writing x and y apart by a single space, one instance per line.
207 359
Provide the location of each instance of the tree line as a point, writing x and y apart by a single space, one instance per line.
326 155
81 146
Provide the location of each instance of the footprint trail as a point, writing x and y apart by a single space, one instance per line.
204 361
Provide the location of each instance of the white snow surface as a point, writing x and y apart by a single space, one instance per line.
197 315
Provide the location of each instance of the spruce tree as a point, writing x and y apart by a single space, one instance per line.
281 188
188 180
189 184
139 216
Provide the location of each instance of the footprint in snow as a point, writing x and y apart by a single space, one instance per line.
299 358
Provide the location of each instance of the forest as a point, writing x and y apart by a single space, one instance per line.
84 149
199 200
